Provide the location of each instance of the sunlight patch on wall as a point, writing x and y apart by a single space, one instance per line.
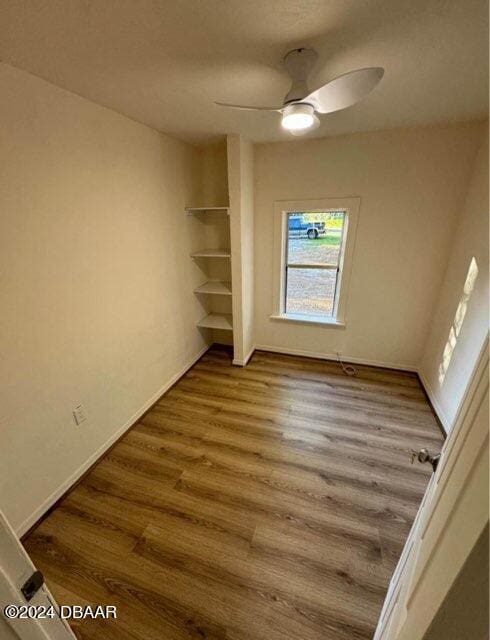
458 320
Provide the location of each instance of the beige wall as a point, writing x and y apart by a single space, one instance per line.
470 240
412 185
6 631
214 175
464 612
241 187
96 285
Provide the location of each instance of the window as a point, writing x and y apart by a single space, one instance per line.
314 248
458 320
314 243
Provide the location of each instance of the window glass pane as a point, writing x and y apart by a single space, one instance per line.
310 291
314 237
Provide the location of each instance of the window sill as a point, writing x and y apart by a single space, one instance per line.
304 319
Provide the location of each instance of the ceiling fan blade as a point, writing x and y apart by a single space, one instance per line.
247 108
345 90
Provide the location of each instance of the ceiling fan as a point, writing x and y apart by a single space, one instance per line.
300 106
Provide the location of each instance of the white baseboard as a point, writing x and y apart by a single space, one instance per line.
333 356
444 420
48 503
244 362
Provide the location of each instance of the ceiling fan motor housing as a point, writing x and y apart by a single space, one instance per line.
299 63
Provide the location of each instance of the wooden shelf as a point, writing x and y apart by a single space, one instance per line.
217 321
216 287
191 210
212 253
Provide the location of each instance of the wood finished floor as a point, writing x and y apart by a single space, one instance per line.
270 502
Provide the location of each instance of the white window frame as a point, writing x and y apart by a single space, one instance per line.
282 208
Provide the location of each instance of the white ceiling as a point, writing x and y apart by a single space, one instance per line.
163 62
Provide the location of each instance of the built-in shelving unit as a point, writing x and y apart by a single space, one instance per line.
191 210
221 321
215 292
212 253
221 272
216 287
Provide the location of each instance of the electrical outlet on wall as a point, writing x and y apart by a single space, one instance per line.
79 414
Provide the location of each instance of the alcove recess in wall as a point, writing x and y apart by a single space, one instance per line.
212 257
224 256
214 261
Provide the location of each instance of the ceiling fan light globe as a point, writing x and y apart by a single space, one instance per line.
303 132
298 117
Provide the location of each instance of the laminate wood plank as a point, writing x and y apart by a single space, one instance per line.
169 421
133 459
351 468
377 452
380 442
318 409
183 411
258 409
258 377
267 502
319 367
161 448
251 580
181 587
371 434
151 602
307 369
140 500
305 550
92 519
312 391
82 630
